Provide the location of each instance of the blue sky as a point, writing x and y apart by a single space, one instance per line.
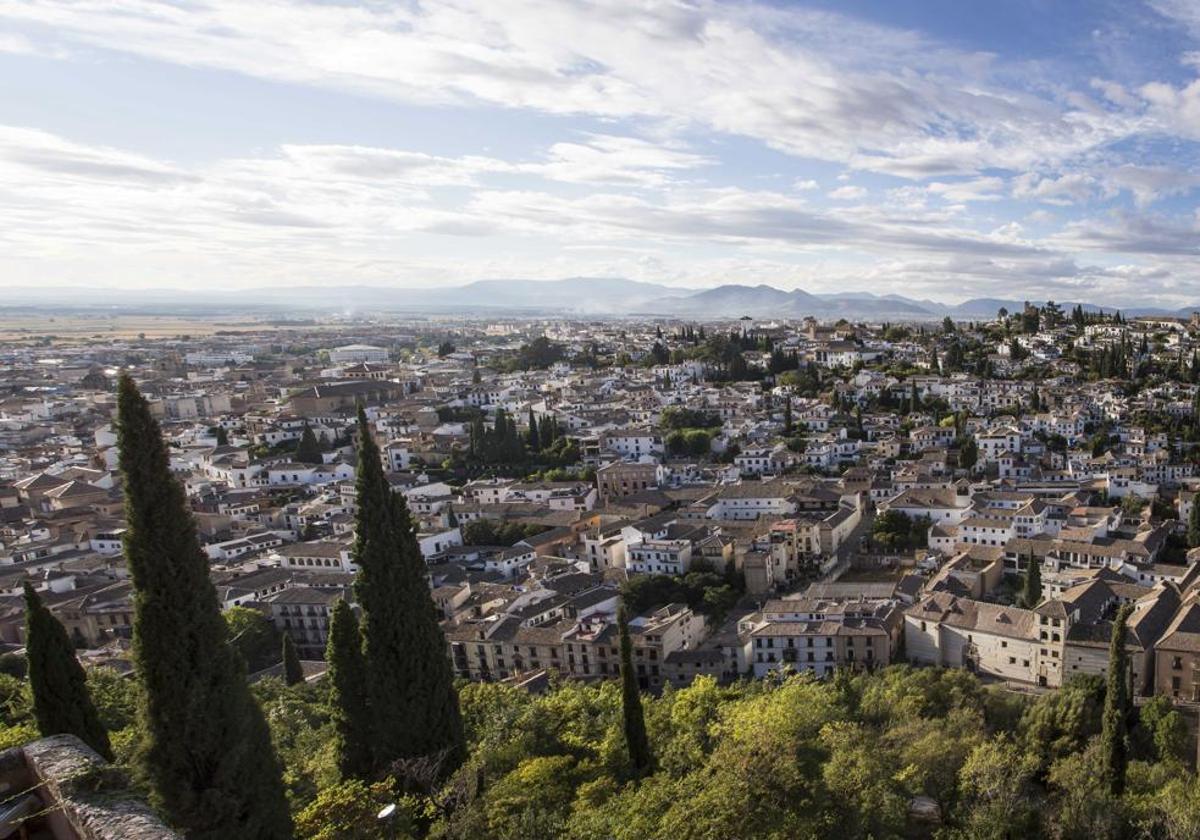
1025 148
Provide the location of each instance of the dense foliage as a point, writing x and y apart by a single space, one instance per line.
492 532
894 531
899 753
702 589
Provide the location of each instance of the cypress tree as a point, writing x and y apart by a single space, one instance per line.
968 454
348 687
1031 592
1193 529
787 416
293 672
410 688
534 443
1114 724
308 450
478 436
61 702
222 436
208 757
636 739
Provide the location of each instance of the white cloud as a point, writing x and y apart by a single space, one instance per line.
808 83
17 44
1148 184
606 159
1176 110
1071 188
848 193
1185 12
976 189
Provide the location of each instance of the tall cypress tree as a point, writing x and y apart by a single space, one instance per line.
1031 592
293 671
61 702
534 443
208 757
1193 528
308 450
638 743
1114 725
348 687
410 687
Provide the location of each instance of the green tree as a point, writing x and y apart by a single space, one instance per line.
996 785
414 707
222 436
254 636
1082 805
1193 529
208 757
1031 590
1163 731
1063 721
859 775
348 811
61 702
348 692
1178 808
533 800
532 435
636 740
293 671
1114 731
968 453
308 450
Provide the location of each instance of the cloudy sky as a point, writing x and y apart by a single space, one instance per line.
933 148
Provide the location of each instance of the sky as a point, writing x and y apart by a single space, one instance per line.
943 149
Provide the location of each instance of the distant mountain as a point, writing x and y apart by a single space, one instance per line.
584 295
599 296
733 300
768 302
979 308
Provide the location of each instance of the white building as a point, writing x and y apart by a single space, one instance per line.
354 353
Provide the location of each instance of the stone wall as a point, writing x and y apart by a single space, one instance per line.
85 798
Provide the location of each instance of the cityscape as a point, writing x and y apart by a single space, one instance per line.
549 420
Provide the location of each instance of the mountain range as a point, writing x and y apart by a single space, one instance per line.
579 296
